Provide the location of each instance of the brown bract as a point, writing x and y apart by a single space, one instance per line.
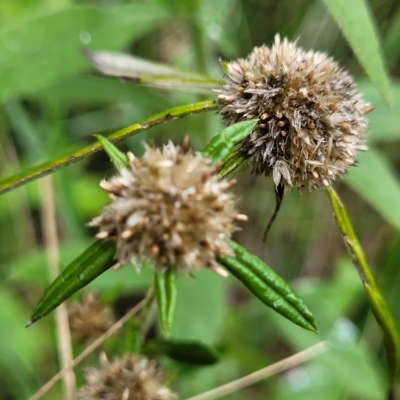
128 378
311 117
169 209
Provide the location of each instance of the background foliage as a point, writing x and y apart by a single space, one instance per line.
52 103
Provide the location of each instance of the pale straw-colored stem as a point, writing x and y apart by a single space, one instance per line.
264 373
49 224
93 346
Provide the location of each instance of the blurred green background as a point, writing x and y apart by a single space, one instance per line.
51 103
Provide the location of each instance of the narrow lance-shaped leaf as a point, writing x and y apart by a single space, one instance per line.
376 300
51 166
166 294
268 286
117 157
145 72
89 265
184 351
356 22
223 143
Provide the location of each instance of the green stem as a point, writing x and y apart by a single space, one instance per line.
51 166
376 301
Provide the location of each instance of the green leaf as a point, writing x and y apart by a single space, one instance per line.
224 142
391 44
166 294
48 48
117 157
384 122
51 166
184 351
268 286
375 180
95 260
358 27
149 73
376 301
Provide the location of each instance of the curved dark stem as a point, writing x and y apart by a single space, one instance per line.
279 193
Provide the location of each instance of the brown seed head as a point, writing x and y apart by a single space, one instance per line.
89 318
169 209
311 115
127 378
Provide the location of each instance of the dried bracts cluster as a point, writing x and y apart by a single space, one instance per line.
311 118
169 209
127 378
89 318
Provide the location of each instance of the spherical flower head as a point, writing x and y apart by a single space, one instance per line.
89 318
310 116
169 209
127 378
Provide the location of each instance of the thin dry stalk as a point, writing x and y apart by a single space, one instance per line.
263 373
48 217
93 346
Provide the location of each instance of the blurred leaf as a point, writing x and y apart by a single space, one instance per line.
384 122
377 302
145 72
46 168
268 286
166 294
20 352
117 157
358 26
95 260
391 43
184 351
375 180
55 42
200 310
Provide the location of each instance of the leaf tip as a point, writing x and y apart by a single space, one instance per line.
29 323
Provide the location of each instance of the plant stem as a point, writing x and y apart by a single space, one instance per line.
61 316
49 167
264 373
376 301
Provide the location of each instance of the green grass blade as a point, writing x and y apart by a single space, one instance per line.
51 166
375 298
357 24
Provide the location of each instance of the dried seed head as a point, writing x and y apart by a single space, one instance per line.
169 209
89 318
311 116
127 378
